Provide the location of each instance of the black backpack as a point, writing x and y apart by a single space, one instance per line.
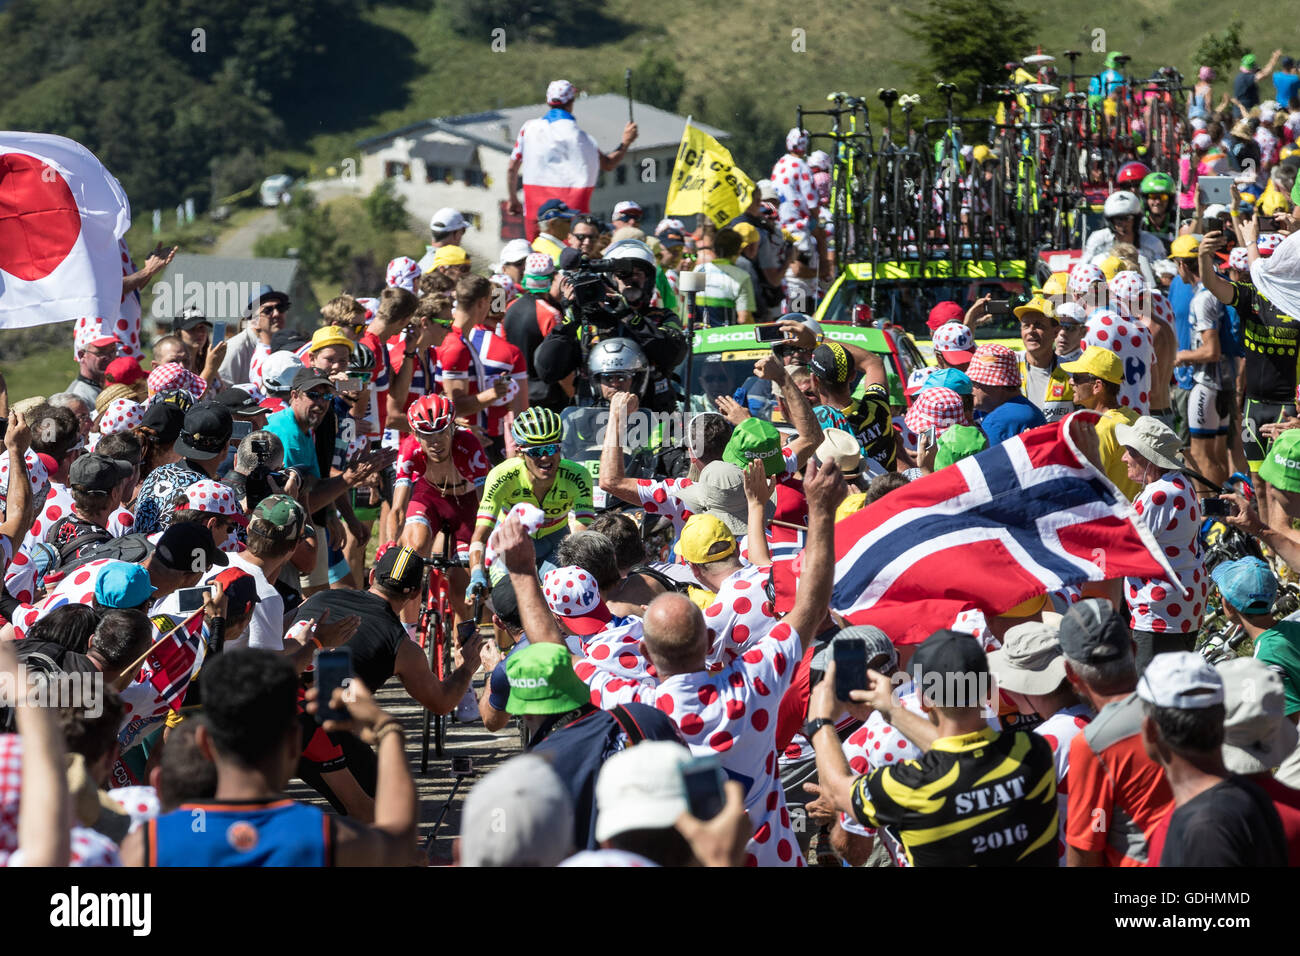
39 657
131 548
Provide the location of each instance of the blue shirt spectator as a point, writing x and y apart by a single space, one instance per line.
1009 419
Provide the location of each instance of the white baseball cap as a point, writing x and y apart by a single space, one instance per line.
1181 680
626 206
641 788
766 189
516 250
560 91
447 220
530 795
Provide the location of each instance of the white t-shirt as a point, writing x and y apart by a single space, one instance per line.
1203 315
1059 730
266 629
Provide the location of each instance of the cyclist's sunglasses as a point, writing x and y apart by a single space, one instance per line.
541 451
424 429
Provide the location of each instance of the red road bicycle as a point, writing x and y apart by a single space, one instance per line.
435 631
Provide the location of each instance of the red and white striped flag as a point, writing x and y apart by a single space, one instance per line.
61 216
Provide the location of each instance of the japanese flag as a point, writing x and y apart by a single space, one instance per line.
62 215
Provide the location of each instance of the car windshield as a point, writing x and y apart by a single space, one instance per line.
909 304
729 373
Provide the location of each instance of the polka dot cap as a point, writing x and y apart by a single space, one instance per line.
370 305
571 593
403 273
36 474
1268 242
1160 307
1082 277
120 415
1126 293
213 497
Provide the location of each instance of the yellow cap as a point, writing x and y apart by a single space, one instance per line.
449 256
1097 361
1291 149
705 539
851 503
1110 267
326 336
748 234
1185 247
1058 283
1027 608
1036 304
982 154
1273 202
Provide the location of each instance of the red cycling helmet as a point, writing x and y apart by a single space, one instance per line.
1130 176
430 414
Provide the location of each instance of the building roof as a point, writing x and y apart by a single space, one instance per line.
603 116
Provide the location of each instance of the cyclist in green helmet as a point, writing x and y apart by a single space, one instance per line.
1157 195
536 476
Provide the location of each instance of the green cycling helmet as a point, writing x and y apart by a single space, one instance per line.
536 426
1158 183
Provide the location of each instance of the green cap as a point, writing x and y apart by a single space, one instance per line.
958 442
1112 59
281 511
542 681
1248 62
755 438
1281 467
1295 192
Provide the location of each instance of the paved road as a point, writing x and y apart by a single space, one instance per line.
238 243
487 751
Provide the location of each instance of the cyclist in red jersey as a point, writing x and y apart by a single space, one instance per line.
440 469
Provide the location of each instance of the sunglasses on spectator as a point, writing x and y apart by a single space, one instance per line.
585 237
318 396
541 451
274 307
1083 379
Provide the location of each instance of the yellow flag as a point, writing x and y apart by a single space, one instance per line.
707 180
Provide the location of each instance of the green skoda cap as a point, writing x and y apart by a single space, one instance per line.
542 681
756 438
958 442
1281 467
281 511
1249 62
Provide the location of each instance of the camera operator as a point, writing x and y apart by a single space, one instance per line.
598 309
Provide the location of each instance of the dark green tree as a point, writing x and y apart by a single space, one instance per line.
656 80
968 42
386 211
1222 51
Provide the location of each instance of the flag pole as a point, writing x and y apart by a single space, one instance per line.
131 670
627 85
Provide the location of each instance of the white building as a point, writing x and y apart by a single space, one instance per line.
461 162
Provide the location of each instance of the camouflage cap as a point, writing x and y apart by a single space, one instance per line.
282 513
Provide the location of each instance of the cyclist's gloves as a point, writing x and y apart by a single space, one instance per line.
478 579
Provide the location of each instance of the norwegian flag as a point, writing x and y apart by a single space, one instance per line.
62 216
163 678
1027 516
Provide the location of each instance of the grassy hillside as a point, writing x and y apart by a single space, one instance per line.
858 46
